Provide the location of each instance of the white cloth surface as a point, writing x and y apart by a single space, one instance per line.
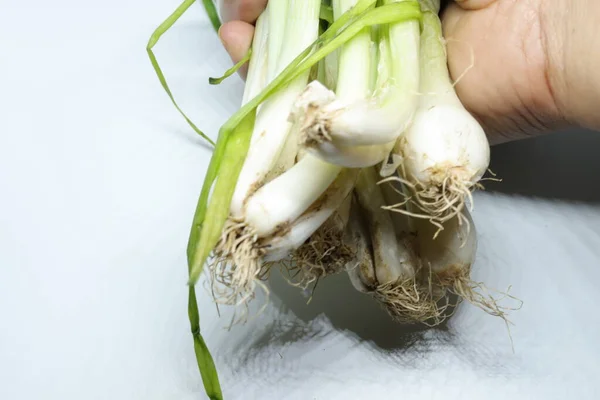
99 176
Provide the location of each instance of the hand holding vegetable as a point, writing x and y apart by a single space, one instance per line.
353 152
522 67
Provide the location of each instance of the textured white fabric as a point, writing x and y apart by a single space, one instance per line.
99 178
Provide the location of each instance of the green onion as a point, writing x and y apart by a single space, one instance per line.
232 70
445 151
339 95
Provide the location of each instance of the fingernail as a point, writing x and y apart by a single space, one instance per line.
219 35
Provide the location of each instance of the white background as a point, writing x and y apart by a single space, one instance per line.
99 178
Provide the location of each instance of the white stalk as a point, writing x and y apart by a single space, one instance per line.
331 64
279 247
286 159
353 74
328 69
444 140
344 210
393 260
384 58
455 247
375 120
352 156
277 13
354 82
257 67
362 271
272 126
375 55
286 197
393 193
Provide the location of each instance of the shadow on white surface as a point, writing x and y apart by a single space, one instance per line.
562 165
349 311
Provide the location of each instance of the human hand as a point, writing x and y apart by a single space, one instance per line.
526 75
237 30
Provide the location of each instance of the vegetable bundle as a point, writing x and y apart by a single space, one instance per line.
351 153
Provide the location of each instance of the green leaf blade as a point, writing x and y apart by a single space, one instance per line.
206 364
154 38
232 70
224 186
212 13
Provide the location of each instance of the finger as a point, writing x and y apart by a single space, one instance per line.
236 37
242 10
474 4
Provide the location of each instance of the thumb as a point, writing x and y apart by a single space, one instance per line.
236 37
474 4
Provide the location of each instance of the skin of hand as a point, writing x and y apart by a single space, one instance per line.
530 64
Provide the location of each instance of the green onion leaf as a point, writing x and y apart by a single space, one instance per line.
212 13
205 362
206 233
326 13
156 35
232 70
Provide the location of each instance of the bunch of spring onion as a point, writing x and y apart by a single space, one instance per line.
316 141
344 99
350 152
285 202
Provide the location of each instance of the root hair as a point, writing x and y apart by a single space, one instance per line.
456 280
237 268
324 253
408 301
437 204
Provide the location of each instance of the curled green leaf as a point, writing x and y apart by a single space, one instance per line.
232 70
154 38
